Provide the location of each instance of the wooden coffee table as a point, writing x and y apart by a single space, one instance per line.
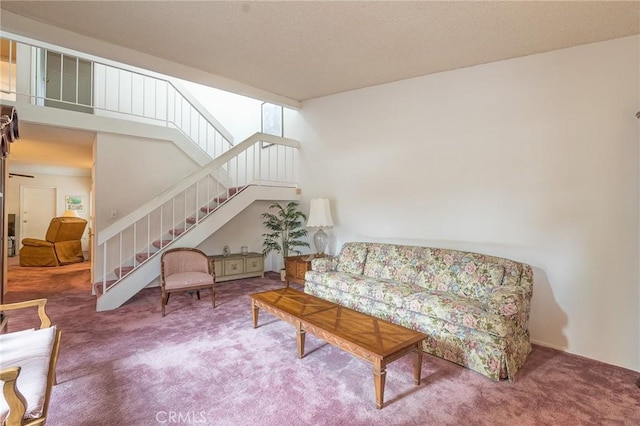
376 341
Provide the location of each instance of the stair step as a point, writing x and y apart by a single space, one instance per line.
176 232
97 287
207 209
191 220
232 191
161 243
236 189
121 272
141 257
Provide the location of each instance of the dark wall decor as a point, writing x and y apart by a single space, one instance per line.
10 133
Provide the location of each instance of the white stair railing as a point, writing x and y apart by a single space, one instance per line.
83 83
128 243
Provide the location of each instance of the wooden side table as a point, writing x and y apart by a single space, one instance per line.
295 267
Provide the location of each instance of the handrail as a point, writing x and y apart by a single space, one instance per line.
113 91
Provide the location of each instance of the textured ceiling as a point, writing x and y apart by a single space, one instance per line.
299 50
306 49
46 145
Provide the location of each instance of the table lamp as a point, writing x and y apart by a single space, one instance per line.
320 216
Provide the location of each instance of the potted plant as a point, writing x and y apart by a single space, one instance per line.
285 230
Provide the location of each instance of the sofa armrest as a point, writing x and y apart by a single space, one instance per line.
324 264
506 301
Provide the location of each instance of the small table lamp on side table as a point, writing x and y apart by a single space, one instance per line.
320 216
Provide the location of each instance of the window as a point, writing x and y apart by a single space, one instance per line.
272 121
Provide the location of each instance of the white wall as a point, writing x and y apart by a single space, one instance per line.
533 159
242 230
131 171
240 115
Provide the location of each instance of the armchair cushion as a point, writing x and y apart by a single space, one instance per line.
36 243
187 279
30 350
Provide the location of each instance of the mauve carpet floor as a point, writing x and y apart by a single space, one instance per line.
201 366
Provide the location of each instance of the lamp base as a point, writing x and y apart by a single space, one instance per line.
320 240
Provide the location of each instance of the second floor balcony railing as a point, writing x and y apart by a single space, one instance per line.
46 76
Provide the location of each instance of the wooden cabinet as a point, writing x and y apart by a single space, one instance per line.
238 266
295 267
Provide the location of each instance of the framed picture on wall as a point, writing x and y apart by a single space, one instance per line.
74 202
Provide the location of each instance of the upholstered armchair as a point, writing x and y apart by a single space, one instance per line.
60 246
28 361
186 269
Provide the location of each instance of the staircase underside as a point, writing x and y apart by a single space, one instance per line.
149 271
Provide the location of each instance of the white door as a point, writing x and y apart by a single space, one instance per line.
37 208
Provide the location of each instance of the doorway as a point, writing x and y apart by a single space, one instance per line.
37 208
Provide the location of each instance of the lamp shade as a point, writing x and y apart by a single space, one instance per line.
320 213
70 213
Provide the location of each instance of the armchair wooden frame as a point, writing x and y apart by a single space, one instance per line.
188 288
15 400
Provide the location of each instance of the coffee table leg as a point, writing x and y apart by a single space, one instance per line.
254 313
417 364
379 377
301 337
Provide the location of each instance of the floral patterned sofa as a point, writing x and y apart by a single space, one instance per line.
473 307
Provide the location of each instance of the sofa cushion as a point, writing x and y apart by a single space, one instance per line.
460 313
395 262
460 273
352 258
30 350
390 292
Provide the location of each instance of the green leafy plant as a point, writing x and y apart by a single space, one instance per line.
285 230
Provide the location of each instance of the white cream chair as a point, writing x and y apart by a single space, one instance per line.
27 368
186 269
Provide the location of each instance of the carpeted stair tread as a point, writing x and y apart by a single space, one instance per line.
141 257
207 209
236 189
121 272
176 232
230 193
161 243
217 201
97 287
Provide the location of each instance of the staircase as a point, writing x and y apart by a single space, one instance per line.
127 253
263 167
